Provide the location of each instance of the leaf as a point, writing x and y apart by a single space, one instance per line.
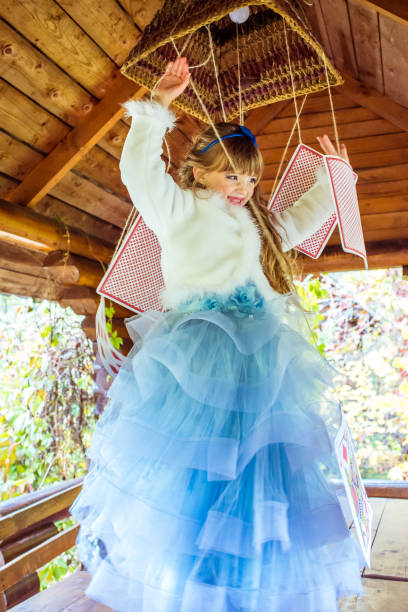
117 342
110 311
46 331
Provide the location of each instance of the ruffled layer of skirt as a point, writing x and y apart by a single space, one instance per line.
212 470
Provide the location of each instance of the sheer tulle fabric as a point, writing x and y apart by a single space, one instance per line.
212 468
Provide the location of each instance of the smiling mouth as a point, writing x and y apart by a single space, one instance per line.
237 201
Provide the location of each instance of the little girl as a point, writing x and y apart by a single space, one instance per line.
212 468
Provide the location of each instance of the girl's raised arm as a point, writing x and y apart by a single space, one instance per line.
153 191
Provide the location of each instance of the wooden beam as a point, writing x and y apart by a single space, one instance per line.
379 255
82 300
69 269
396 9
383 106
394 43
48 172
19 259
387 173
48 235
28 285
77 219
40 79
366 39
336 18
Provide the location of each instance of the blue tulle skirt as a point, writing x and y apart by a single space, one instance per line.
213 482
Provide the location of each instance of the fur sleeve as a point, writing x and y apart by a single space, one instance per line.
153 191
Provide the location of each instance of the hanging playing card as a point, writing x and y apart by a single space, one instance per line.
299 176
356 493
134 277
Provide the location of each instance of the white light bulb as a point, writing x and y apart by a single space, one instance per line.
240 15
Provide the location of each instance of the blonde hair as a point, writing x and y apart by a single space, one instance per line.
278 267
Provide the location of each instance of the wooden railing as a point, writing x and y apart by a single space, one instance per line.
29 538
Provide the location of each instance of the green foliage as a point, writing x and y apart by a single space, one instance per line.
46 395
311 291
58 568
364 328
116 340
47 407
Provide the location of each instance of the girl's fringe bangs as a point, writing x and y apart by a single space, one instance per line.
245 156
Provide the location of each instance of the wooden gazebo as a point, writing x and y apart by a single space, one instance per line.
63 204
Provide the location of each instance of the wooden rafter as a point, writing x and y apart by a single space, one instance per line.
48 172
396 9
383 106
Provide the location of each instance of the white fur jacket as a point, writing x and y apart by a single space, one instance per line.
208 244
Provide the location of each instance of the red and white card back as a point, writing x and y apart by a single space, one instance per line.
299 177
134 277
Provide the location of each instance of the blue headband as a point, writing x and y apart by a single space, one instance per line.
243 131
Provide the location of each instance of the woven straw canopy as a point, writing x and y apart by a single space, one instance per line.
191 26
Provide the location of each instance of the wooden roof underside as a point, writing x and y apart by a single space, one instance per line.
62 130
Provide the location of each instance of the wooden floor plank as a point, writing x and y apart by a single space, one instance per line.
378 506
389 554
66 595
380 596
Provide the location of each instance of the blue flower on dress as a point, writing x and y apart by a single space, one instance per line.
247 299
212 303
243 301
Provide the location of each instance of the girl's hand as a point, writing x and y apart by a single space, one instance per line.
173 82
329 148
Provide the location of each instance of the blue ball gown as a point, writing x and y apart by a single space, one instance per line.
212 478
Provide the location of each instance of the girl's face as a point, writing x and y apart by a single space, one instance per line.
237 189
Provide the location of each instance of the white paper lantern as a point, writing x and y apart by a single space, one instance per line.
240 15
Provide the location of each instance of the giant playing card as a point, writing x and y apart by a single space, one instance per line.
299 176
353 484
134 277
